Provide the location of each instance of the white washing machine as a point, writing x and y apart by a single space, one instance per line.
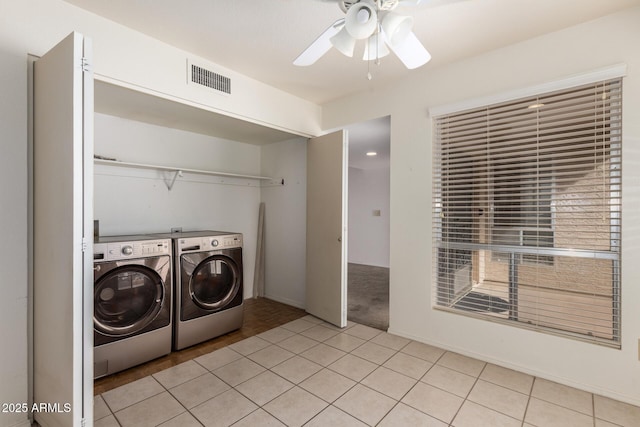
208 285
133 301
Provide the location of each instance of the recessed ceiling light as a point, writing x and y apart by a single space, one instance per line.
372 153
532 106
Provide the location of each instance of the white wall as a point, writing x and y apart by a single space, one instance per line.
135 201
134 60
590 46
285 220
146 64
369 234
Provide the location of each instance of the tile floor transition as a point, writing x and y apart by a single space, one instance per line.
307 372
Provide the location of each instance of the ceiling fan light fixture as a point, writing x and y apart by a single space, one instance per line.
361 20
343 42
397 27
363 16
373 21
375 48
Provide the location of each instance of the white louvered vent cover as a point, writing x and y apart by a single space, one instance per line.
210 79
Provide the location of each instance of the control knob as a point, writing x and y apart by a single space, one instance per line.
127 250
214 243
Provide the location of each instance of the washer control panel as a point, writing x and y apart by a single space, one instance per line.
126 250
223 242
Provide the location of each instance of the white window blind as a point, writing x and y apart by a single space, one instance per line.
526 212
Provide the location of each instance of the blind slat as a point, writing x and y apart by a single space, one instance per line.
527 211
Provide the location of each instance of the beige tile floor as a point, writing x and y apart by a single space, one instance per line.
310 373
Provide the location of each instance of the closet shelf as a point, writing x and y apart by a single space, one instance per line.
178 171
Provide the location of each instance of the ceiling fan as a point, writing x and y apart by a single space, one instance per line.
375 22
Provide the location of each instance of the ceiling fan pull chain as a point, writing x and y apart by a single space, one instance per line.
378 45
369 76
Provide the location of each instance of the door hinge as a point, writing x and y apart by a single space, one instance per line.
86 65
84 244
83 422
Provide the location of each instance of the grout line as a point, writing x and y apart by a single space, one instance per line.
356 382
466 398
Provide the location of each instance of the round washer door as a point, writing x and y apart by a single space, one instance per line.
127 299
214 282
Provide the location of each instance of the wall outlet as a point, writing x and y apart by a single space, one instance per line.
376 212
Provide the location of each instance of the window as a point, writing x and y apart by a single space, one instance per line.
526 207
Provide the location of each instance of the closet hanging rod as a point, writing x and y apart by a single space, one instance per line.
175 169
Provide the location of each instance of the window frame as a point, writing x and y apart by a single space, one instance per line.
606 74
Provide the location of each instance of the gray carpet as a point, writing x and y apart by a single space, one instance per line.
368 295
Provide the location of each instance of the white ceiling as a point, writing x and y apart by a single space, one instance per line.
261 38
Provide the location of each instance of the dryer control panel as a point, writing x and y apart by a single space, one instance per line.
197 244
126 250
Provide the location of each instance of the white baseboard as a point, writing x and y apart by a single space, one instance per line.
612 394
287 301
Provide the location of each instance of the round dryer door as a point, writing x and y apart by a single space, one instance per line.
126 299
214 282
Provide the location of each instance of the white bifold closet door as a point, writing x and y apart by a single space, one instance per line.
326 278
63 234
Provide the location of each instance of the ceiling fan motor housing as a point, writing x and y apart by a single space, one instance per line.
380 4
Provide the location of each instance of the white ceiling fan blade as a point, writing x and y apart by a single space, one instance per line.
410 51
320 46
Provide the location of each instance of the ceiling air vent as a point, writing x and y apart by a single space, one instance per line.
208 78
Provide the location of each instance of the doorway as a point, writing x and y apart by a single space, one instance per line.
369 235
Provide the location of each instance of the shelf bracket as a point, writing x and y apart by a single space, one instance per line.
176 174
